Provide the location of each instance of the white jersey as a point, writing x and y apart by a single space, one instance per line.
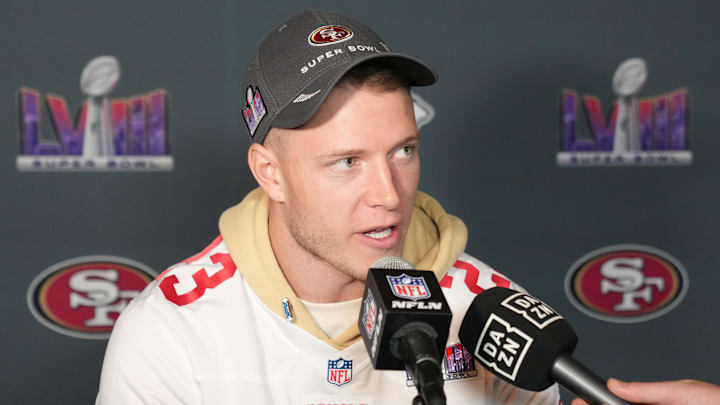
200 335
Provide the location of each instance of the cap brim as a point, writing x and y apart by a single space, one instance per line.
298 112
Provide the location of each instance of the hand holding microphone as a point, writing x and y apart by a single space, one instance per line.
523 341
682 392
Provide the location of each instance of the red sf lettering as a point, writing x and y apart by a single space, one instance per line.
202 281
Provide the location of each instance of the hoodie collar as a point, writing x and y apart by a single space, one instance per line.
434 241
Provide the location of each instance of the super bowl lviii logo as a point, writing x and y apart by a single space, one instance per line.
83 297
626 283
635 131
128 134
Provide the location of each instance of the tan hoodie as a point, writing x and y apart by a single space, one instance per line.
434 241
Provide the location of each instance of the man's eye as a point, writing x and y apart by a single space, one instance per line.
406 150
345 163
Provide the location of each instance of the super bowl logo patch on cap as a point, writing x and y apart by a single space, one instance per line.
339 371
254 110
406 287
328 34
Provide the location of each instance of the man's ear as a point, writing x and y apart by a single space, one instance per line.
264 166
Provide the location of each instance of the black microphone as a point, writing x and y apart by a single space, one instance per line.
404 323
525 342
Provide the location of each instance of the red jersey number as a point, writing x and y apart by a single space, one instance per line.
471 278
202 281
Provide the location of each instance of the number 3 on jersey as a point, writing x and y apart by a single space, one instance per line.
202 281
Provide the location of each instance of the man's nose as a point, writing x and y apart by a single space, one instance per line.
381 188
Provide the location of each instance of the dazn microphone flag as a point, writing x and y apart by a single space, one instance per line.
525 342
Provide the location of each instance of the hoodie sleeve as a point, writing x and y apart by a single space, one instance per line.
145 360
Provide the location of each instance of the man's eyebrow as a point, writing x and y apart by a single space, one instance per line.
341 153
408 139
355 152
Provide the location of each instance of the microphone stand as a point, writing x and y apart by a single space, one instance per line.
414 344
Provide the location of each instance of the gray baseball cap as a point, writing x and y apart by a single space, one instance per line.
297 65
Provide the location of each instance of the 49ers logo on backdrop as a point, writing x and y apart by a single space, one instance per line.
83 297
329 34
626 283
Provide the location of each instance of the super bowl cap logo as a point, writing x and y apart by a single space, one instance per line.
406 287
339 371
532 309
502 347
83 297
254 110
328 34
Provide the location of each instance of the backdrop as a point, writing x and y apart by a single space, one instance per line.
489 155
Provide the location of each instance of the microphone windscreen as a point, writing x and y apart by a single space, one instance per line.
393 263
516 336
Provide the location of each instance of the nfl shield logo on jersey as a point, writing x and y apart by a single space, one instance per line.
406 287
339 371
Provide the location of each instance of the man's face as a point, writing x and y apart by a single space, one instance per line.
350 177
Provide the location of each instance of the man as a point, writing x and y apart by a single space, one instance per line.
267 313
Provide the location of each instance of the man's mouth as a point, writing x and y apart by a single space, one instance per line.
379 233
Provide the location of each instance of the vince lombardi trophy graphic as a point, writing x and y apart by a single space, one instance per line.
98 79
629 78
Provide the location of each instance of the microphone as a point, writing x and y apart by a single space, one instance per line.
404 323
523 341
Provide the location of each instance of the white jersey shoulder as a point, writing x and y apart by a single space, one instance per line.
471 275
467 278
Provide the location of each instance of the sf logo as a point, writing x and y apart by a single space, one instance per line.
624 275
331 34
98 289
